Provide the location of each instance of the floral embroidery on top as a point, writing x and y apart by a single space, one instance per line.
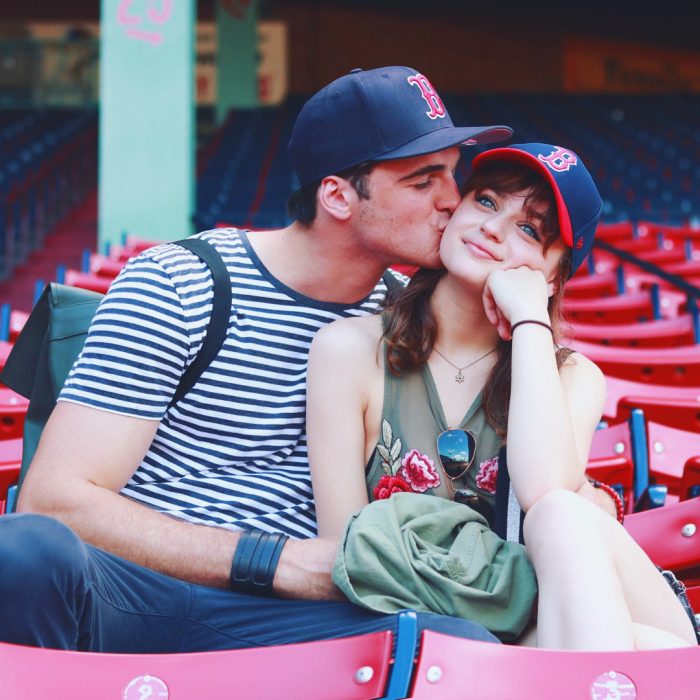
487 475
389 449
415 472
419 471
389 485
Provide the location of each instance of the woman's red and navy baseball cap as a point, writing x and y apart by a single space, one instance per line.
578 202
381 114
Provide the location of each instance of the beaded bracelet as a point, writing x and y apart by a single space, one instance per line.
531 320
255 561
619 505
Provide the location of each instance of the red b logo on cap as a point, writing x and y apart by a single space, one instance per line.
559 159
437 109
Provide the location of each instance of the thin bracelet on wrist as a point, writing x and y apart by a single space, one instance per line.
531 320
619 505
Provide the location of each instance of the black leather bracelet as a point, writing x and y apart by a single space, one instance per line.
255 561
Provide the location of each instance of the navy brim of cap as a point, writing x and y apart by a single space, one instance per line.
450 136
532 162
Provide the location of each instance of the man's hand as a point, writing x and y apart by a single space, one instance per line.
304 570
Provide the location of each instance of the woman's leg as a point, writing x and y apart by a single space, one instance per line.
597 588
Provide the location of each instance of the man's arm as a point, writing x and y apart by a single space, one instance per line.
85 457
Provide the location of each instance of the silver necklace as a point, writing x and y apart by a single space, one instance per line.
459 377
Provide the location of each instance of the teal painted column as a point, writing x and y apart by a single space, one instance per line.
147 137
236 56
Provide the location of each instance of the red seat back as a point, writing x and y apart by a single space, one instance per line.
451 668
354 668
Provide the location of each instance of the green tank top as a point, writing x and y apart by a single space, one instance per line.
412 419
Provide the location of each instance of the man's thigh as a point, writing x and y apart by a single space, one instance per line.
227 620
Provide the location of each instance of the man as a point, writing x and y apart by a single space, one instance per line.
161 494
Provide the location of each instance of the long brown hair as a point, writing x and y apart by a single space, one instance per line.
410 326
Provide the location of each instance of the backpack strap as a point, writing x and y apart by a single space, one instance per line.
509 517
392 282
217 328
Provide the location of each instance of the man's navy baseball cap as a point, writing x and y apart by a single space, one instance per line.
381 114
578 201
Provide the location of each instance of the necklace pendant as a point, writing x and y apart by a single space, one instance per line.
459 377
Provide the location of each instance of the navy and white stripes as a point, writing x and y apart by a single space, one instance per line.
233 451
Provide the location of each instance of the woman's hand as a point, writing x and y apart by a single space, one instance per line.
513 295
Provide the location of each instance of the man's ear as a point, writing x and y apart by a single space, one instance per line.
336 196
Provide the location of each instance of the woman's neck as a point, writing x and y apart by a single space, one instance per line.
462 322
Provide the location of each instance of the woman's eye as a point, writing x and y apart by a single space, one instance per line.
530 230
486 201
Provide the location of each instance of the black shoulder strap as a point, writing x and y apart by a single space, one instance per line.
392 282
220 314
500 526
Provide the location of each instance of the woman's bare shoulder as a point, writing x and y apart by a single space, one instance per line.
350 337
577 369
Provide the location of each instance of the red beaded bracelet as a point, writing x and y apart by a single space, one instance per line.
619 505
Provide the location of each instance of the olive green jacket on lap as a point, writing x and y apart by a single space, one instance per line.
424 553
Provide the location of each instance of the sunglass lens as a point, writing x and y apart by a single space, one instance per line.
456 451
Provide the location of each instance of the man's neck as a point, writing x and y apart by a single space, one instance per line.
322 264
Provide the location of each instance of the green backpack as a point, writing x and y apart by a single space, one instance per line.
55 332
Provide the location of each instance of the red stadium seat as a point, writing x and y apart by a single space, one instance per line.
624 308
663 535
667 332
691 477
5 348
450 668
354 668
10 463
618 389
17 321
592 286
652 229
669 449
672 366
85 280
611 232
103 266
13 409
682 413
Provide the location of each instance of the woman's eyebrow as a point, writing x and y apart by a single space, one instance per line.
426 170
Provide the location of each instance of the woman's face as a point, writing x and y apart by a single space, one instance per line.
489 231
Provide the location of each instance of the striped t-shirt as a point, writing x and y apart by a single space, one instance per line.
233 451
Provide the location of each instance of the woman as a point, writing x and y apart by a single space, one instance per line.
473 350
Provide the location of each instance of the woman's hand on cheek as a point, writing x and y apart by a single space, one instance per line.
493 313
513 295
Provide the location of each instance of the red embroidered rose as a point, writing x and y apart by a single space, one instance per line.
389 485
488 472
419 471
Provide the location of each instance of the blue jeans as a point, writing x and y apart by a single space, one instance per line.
58 592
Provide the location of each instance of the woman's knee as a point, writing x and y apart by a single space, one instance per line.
555 517
36 549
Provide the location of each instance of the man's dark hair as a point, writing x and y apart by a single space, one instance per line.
302 203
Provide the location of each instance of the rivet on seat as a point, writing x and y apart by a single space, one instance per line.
688 530
433 674
364 674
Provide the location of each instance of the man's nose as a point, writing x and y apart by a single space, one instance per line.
448 199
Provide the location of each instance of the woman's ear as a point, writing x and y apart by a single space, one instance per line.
335 196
